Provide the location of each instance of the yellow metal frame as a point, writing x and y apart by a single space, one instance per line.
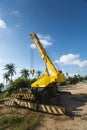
48 78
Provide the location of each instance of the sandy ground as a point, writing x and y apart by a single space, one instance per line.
76 104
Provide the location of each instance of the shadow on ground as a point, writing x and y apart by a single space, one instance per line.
72 102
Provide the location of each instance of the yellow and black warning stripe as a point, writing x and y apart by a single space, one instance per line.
52 109
26 96
57 110
26 104
10 103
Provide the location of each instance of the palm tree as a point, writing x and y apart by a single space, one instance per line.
67 74
79 77
6 77
1 86
10 70
38 73
25 73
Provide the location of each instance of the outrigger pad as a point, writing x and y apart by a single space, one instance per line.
52 109
10 102
26 104
57 110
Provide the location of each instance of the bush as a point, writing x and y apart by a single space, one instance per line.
19 83
16 85
33 80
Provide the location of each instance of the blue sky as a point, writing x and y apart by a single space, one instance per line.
60 24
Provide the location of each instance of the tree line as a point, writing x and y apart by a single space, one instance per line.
25 81
11 71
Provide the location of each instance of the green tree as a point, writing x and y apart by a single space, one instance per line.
67 74
67 77
19 83
38 73
85 77
10 70
79 77
75 78
1 86
25 73
6 77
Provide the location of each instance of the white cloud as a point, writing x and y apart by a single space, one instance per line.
2 24
45 40
33 46
16 13
1 68
71 59
47 37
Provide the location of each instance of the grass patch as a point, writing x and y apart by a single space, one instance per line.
11 121
3 94
16 122
29 122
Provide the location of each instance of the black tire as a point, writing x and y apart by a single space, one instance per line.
45 97
53 91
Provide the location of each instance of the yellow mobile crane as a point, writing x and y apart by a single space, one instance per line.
44 89
46 86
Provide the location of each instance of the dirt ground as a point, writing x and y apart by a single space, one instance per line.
75 104
6 111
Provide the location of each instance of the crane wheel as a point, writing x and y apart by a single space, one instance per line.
45 97
55 91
